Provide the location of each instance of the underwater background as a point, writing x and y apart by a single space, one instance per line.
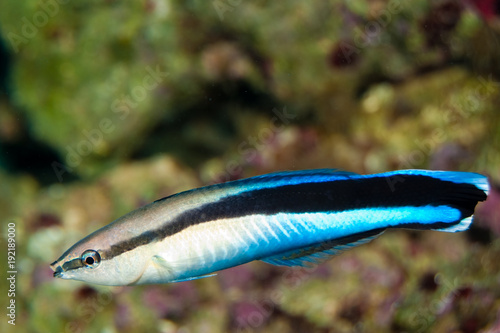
106 106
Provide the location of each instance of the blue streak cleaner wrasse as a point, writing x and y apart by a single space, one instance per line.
287 218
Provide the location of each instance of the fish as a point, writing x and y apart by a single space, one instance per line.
290 218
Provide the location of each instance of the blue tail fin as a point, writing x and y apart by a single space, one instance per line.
460 191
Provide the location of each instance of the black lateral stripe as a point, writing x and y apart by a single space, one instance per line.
130 244
332 196
72 264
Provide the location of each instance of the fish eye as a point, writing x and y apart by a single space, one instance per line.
91 259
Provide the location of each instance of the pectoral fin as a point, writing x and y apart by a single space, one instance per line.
194 278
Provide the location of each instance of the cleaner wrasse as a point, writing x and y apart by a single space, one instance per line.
290 218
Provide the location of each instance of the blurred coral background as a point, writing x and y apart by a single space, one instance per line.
106 106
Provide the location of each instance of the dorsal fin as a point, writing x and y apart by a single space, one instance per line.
321 252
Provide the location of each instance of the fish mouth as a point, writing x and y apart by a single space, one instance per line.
58 270
60 267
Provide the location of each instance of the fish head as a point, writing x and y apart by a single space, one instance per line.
94 259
